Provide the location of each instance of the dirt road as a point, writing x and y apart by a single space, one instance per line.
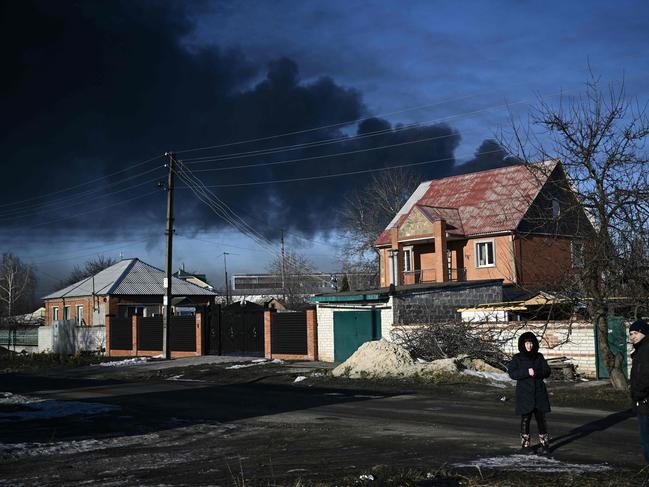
218 429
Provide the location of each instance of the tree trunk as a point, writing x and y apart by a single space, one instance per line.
613 363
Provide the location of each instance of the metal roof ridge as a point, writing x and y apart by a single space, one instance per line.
122 276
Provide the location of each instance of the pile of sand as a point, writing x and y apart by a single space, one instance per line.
383 358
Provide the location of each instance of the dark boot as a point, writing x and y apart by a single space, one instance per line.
526 445
544 444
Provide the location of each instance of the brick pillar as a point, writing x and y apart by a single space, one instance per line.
312 334
199 334
268 319
441 262
135 322
107 322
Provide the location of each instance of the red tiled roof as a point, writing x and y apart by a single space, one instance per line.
487 201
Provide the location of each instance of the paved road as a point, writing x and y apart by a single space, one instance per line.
165 431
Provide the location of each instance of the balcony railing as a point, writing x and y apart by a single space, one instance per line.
429 275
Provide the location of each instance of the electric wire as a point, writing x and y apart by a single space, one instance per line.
63 204
323 127
82 184
220 208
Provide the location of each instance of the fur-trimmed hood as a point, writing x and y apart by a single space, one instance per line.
528 336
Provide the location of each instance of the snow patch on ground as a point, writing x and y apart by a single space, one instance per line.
532 463
22 450
299 378
494 376
35 408
179 378
127 362
254 363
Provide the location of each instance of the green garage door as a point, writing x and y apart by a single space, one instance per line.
352 329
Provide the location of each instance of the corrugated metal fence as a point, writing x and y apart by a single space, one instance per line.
288 335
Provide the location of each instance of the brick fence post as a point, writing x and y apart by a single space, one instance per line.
311 334
135 323
107 322
199 334
268 319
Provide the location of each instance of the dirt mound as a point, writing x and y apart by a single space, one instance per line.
377 359
383 358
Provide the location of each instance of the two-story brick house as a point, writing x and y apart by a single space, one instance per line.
521 223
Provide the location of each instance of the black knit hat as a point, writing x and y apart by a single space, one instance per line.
641 326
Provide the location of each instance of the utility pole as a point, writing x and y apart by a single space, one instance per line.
225 268
166 300
283 271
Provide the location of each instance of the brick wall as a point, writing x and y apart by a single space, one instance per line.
575 341
434 305
325 319
86 302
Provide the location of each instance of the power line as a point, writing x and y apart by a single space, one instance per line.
20 212
348 173
94 210
81 184
219 207
324 156
313 129
308 145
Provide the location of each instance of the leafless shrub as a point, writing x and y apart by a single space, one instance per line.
445 339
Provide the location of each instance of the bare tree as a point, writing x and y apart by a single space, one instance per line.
366 213
599 137
17 285
90 268
299 279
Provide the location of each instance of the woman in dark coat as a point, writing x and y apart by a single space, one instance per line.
528 368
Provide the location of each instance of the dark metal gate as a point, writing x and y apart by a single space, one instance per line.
149 337
182 334
235 329
121 334
288 333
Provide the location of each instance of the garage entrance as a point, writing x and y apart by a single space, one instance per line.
352 329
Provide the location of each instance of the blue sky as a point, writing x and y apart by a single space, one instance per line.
99 86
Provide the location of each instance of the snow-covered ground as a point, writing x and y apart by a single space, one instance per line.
254 363
127 362
164 439
36 408
533 463
492 376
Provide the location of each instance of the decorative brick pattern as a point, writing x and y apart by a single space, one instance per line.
436 305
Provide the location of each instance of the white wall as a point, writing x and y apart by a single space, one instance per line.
325 316
575 341
67 338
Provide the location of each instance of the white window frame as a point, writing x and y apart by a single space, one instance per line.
55 313
556 208
407 259
577 256
66 312
79 314
477 253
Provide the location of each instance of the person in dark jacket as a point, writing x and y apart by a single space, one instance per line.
639 383
528 368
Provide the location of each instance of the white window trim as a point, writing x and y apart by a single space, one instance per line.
409 261
577 261
556 208
79 314
66 312
55 313
493 246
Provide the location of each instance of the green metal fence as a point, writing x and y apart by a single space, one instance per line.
19 337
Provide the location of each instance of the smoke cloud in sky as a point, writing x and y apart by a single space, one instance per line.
95 87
